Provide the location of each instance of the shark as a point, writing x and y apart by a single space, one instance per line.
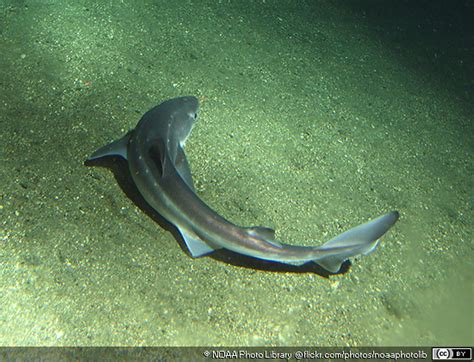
154 151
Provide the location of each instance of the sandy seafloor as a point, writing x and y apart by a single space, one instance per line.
315 116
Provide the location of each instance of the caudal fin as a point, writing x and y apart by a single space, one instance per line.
362 239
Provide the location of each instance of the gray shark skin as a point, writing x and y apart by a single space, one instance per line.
160 170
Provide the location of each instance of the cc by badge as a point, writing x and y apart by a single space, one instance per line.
453 354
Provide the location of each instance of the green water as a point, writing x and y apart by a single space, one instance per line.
315 117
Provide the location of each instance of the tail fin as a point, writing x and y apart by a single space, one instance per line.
362 239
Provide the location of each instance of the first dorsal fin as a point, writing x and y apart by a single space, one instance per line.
159 154
263 232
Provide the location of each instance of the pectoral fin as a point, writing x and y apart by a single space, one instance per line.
115 148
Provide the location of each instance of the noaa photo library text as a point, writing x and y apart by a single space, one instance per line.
306 354
243 354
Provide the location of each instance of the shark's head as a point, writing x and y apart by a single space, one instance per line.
185 114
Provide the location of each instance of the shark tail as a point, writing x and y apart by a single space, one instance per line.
362 239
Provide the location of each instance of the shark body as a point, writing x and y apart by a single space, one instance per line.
160 170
